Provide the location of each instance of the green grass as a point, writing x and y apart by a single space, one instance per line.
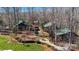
4 45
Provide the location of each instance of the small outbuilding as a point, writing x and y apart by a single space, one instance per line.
22 25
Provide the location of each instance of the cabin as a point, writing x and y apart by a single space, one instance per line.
64 34
61 34
21 26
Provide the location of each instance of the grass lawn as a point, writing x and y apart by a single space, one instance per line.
4 45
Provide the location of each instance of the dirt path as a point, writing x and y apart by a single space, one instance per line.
47 48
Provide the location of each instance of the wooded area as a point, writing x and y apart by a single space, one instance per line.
56 21
61 16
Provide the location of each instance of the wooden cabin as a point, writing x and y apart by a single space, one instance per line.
22 26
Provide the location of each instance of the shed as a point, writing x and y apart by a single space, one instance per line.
21 25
